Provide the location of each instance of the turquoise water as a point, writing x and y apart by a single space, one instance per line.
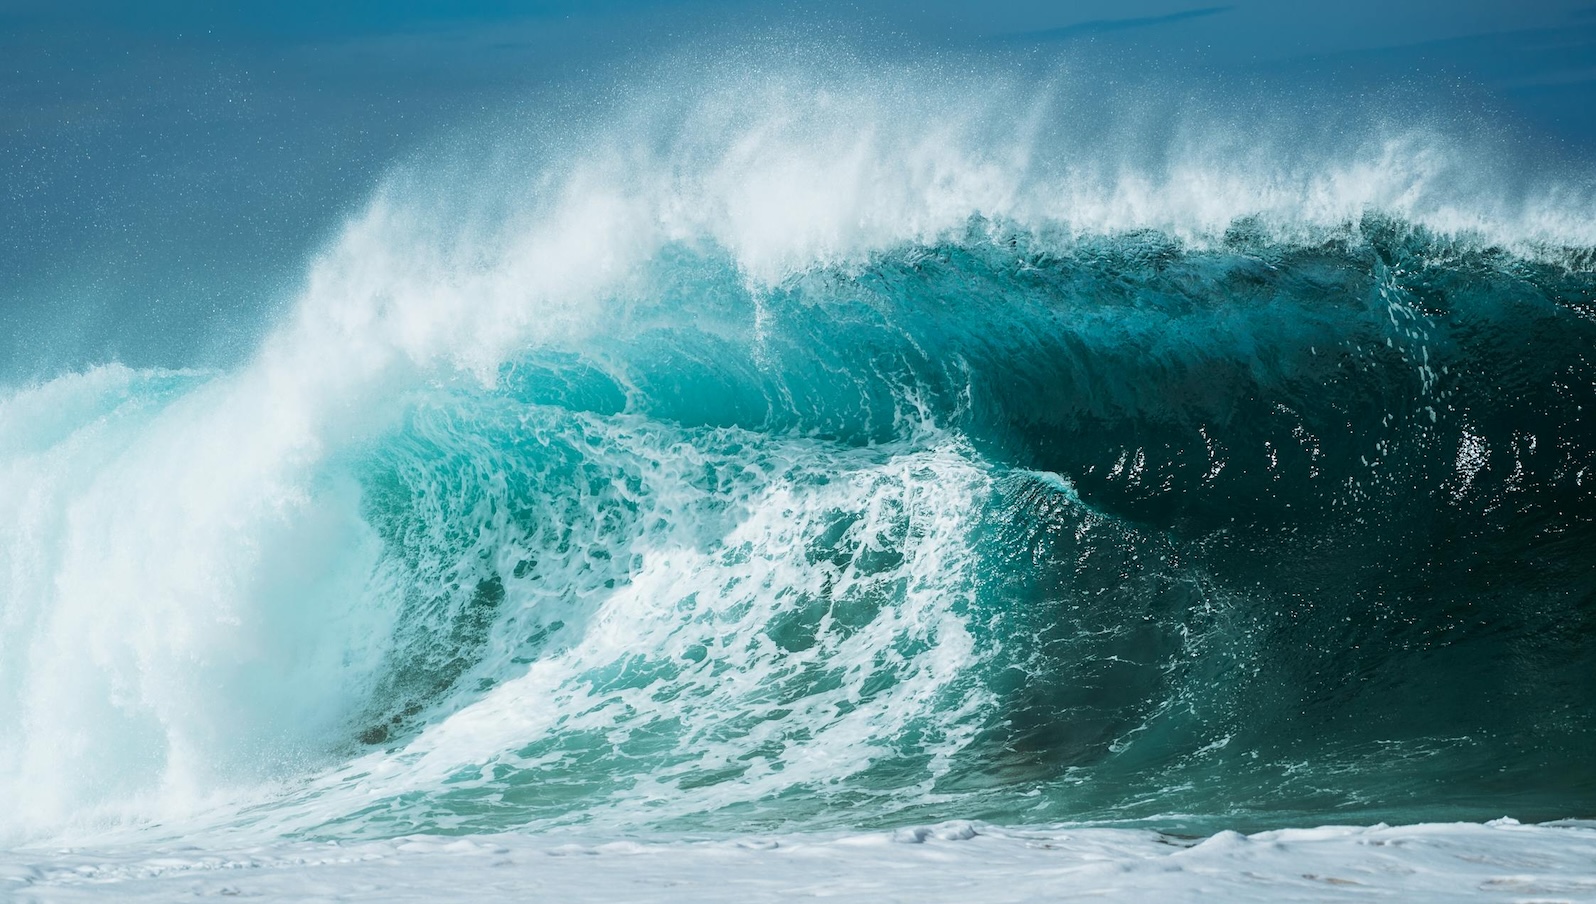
1262 532
812 471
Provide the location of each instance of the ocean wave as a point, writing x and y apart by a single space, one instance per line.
827 446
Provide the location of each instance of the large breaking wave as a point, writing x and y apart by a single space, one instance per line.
828 449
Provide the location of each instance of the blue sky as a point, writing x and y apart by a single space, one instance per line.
167 165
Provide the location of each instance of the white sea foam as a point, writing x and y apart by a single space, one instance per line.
950 862
698 611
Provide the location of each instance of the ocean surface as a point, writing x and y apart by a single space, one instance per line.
766 456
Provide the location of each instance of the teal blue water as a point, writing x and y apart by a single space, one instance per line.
1259 534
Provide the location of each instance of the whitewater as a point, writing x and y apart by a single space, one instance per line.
774 478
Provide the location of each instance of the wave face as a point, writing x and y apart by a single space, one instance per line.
757 469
